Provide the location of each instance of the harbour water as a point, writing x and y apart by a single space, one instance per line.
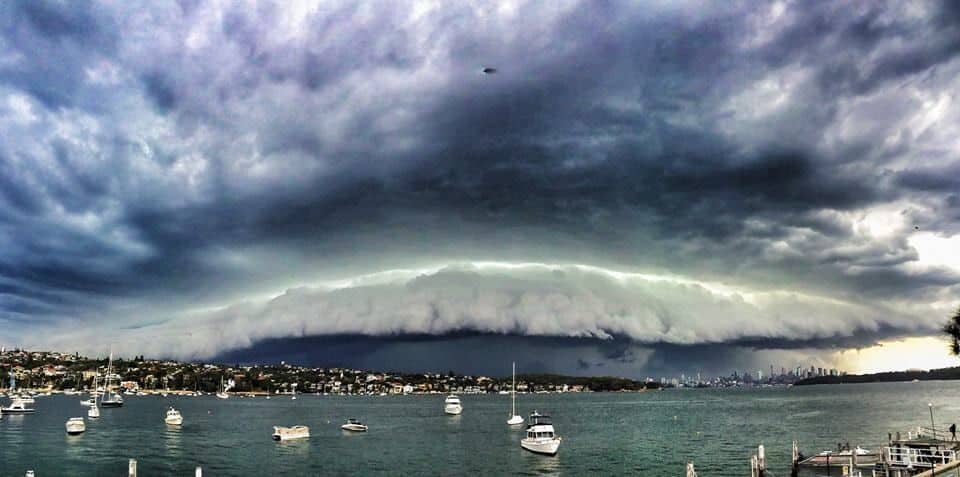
653 433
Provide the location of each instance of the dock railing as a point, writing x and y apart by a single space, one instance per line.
919 458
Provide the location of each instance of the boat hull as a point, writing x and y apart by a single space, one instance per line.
453 409
290 433
111 404
515 421
541 446
174 421
354 427
75 426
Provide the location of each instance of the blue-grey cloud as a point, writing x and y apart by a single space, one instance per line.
163 158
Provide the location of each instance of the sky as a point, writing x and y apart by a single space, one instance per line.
640 189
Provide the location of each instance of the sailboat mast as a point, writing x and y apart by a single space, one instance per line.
106 382
513 394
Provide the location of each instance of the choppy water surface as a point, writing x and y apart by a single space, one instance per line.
652 433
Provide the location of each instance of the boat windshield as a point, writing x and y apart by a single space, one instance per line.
540 420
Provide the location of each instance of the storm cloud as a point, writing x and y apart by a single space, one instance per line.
236 172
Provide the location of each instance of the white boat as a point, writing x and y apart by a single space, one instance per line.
18 406
110 399
541 438
354 425
94 411
222 394
281 433
173 417
452 405
515 419
75 425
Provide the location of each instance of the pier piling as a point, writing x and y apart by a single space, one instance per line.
690 471
198 472
132 468
795 460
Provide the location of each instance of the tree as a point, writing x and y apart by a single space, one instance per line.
952 330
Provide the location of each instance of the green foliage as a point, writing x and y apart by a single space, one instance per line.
952 330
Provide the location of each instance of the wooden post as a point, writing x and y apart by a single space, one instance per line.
761 461
132 468
690 471
198 472
754 467
795 460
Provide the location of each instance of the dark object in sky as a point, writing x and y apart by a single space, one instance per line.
916 227
489 71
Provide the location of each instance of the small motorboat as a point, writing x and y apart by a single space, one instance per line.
541 438
88 402
354 425
451 405
18 406
281 433
173 417
93 412
75 425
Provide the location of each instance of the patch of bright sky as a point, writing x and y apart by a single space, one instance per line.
910 353
936 250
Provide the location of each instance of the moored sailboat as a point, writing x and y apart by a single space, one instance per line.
94 411
110 398
515 419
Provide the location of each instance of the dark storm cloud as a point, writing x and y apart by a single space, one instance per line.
195 155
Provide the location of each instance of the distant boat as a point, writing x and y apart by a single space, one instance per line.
541 438
18 406
110 399
222 394
94 411
514 418
173 417
281 433
354 425
75 425
452 405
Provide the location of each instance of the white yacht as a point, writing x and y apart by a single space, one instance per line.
94 411
18 406
515 419
281 433
222 394
75 425
541 438
452 405
173 417
110 399
354 425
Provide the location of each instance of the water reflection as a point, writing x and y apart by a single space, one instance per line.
172 440
544 464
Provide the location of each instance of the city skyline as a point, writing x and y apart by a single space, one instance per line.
583 188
